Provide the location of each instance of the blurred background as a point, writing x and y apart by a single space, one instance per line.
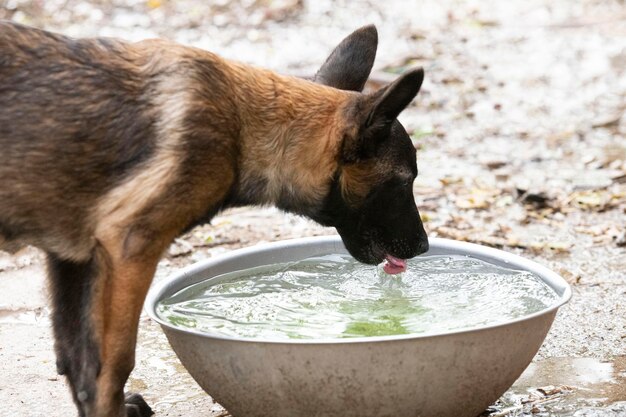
521 145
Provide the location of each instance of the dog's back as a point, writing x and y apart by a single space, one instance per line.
75 119
81 117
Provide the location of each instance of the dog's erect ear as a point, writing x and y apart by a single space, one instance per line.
382 109
393 98
350 63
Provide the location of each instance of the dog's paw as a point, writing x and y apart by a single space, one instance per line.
136 406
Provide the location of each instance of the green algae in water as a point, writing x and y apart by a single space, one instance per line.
337 297
387 325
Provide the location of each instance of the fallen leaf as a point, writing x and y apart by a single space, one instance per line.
607 121
596 230
558 247
619 179
154 4
180 247
550 390
596 200
495 164
450 180
477 198
569 276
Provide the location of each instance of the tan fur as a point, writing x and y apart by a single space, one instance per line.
288 132
292 132
356 180
118 208
120 303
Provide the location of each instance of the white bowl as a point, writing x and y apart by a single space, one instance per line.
444 374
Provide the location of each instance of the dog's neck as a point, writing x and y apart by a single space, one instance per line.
284 132
290 137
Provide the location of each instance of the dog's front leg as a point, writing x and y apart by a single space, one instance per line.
121 297
121 307
97 305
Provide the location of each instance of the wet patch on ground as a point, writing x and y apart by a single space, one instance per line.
567 387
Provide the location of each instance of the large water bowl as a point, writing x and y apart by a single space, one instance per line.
448 374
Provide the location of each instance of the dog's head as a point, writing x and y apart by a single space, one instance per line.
371 201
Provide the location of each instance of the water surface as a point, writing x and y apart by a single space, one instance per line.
337 297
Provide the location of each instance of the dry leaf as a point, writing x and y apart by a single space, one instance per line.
154 4
477 198
558 247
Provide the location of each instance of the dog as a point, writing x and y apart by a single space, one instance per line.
112 149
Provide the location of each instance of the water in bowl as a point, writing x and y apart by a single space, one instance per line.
337 297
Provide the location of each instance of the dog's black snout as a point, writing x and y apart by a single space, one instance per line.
423 246
417 246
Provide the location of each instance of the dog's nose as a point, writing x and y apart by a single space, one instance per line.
423 246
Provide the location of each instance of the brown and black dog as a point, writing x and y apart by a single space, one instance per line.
109 150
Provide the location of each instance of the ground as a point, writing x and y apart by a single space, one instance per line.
521 145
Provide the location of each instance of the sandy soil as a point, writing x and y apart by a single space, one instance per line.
521 145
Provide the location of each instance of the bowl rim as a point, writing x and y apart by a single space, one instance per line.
164 287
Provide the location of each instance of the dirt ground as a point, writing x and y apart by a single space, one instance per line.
521 145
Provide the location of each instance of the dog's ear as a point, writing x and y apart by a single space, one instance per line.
350 63
393 98
381 109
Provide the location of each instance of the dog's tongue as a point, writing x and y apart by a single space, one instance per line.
394 265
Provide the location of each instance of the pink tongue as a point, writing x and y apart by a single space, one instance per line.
394 265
